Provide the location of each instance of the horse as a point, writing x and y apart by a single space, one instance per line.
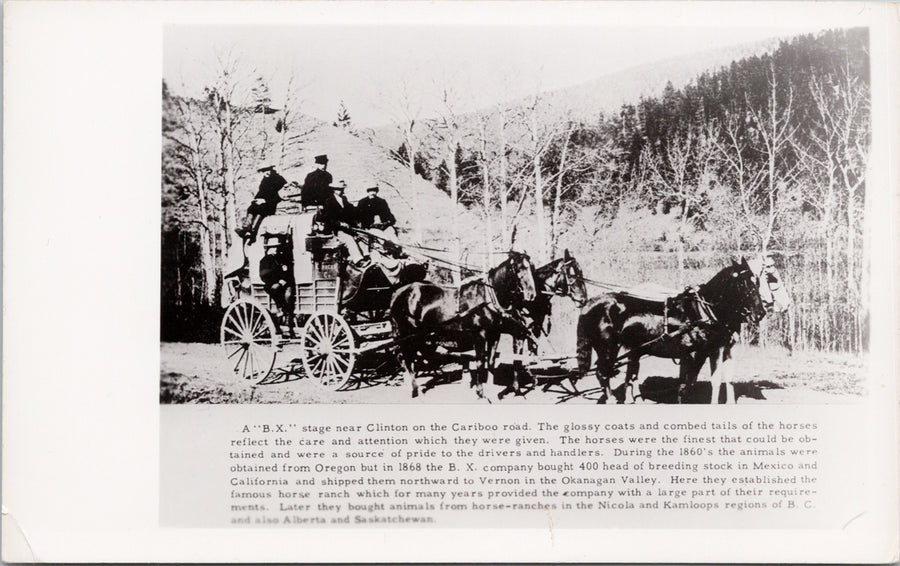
562 277
510 285
775 298
423 314
697 320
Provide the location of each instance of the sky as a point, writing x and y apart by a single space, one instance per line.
370 68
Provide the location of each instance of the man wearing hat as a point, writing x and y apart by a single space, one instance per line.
264 203
317 185
277 275
374 214
338 216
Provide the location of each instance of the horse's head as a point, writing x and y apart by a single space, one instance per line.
521 272
745 291
733 294
772 290
565 279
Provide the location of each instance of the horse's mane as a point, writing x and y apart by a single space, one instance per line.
713 289
548 268
722 289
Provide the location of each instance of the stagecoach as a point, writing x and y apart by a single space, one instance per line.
339 318
339 312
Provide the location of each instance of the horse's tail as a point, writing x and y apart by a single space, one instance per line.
596 327
584 345
399 310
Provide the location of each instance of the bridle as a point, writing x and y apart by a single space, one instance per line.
560 272
518 292
747 312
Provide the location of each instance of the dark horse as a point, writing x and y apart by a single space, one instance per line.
775 298
562 277
424 317
685 327
509 286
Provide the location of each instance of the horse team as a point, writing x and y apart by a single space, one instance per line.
433 326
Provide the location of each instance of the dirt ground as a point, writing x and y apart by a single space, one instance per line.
199 373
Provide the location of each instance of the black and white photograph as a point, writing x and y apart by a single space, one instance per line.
457 282
510 214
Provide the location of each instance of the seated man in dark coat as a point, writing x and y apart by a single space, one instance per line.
338 215
374 214
277 274
317 185
264 203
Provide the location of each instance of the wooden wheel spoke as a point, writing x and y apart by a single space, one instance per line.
237 364
241 318
341 363
258 321
248 364
319 365
235 330
251 362
261 330
236 350
329 368
315 333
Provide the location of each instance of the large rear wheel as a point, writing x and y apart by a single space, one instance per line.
250 340
328 349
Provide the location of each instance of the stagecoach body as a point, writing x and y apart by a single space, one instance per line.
338 314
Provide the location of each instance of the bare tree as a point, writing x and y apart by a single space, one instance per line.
680 174
450 133
190 137
541 134
230 98
835 161
485 160
775 129
407 111
288 122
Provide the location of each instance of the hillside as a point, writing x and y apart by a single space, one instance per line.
607 93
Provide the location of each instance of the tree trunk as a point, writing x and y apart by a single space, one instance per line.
540 213
557 197
206 259
454 196
412 148
486 202
504 188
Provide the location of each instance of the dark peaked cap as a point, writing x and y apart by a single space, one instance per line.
323 159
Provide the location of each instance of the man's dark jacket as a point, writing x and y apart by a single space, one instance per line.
316 188
333 213
273 269
268 190
369 208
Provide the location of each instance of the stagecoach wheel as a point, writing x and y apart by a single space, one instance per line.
328 349
250 340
